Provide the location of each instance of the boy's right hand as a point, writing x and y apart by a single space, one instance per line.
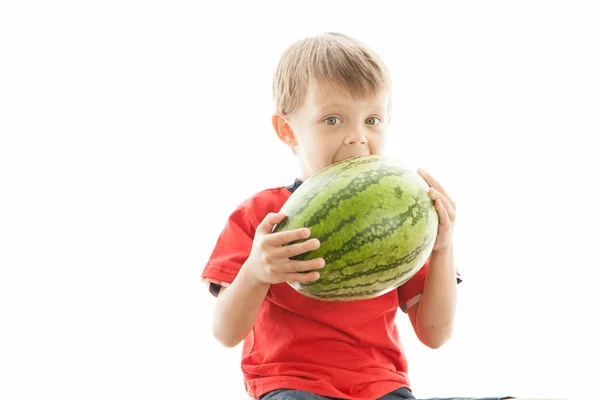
269 260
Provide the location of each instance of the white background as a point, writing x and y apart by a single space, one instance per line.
130 130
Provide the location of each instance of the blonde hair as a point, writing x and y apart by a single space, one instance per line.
329 58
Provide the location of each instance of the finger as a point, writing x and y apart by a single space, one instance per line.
281 238
300 277
442 212
449 207
434 194
297 249
269 222
431 180
303 266
435 184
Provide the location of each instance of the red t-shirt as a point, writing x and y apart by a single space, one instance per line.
336 349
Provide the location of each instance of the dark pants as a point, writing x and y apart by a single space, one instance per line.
398 394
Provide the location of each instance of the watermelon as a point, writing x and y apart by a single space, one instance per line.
376 223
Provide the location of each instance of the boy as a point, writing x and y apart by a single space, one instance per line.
333 99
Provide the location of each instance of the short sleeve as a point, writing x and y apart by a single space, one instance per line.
409 293
231 251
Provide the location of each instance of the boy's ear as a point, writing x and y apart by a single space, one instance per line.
283 129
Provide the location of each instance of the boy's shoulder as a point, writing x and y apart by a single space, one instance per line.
259 204
271 195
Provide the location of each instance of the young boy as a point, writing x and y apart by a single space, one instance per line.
333 100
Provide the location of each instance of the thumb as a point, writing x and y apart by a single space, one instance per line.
269 222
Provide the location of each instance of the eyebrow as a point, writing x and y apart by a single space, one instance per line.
330 105
339 105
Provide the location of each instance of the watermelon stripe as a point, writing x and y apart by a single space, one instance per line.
376 270
350 191
324 179
388 226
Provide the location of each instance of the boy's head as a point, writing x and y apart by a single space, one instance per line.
333 100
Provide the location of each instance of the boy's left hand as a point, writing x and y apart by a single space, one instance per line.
446 209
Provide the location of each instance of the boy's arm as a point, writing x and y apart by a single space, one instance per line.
237 308
433 316
270 262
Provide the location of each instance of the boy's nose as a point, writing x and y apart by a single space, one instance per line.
356 138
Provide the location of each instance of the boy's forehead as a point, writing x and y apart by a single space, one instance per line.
323 94
326 96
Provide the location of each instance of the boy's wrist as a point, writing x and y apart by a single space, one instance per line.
250 279
445 252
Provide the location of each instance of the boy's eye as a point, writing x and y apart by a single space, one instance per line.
331 119
373 119
369 121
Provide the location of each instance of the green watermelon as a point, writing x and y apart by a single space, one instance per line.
376 223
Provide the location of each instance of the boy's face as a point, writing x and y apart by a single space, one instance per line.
331 126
